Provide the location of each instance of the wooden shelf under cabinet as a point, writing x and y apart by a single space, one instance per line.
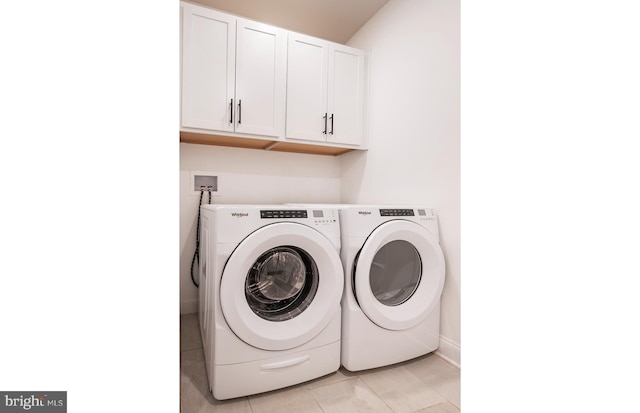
219 140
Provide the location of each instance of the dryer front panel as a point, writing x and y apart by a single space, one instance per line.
398 276
281 286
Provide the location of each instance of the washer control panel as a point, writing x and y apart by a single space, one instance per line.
324 216
317 216
426 215
286 213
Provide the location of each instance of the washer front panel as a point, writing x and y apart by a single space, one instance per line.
257 249
399 275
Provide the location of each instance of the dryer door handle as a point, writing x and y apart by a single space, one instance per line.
286 363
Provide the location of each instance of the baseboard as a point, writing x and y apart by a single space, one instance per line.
449 351
189 307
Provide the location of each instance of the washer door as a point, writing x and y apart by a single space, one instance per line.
399 275
281 286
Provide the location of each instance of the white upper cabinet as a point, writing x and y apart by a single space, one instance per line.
248 84
233 74
307 65
261 76
346 95
325 91
208 68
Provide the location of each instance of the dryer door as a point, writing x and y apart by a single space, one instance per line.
281 286
399 275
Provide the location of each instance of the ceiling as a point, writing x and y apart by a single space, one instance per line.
334 20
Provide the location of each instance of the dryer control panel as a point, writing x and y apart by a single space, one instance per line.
422 214
386 212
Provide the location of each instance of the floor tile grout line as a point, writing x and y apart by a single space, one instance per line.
446 400
315 399
429 386
434 405
328 384
376 393
324 385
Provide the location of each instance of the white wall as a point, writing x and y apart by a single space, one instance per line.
247 176
414 128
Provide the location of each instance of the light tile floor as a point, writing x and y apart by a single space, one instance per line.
424 385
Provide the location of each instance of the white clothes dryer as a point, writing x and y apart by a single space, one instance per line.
395 273
271 281
394 276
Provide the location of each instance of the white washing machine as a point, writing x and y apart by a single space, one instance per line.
271 281
395 273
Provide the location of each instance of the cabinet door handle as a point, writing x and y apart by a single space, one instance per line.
331 133
231 110
240 111
325 123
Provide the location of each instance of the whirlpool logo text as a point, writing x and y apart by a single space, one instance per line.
239 214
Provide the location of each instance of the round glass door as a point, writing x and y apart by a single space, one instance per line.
282 283
399 275
395 273
281 286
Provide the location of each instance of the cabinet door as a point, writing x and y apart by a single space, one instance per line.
306 88
346 95
208 68
260 79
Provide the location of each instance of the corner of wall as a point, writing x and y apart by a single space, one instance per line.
449 351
